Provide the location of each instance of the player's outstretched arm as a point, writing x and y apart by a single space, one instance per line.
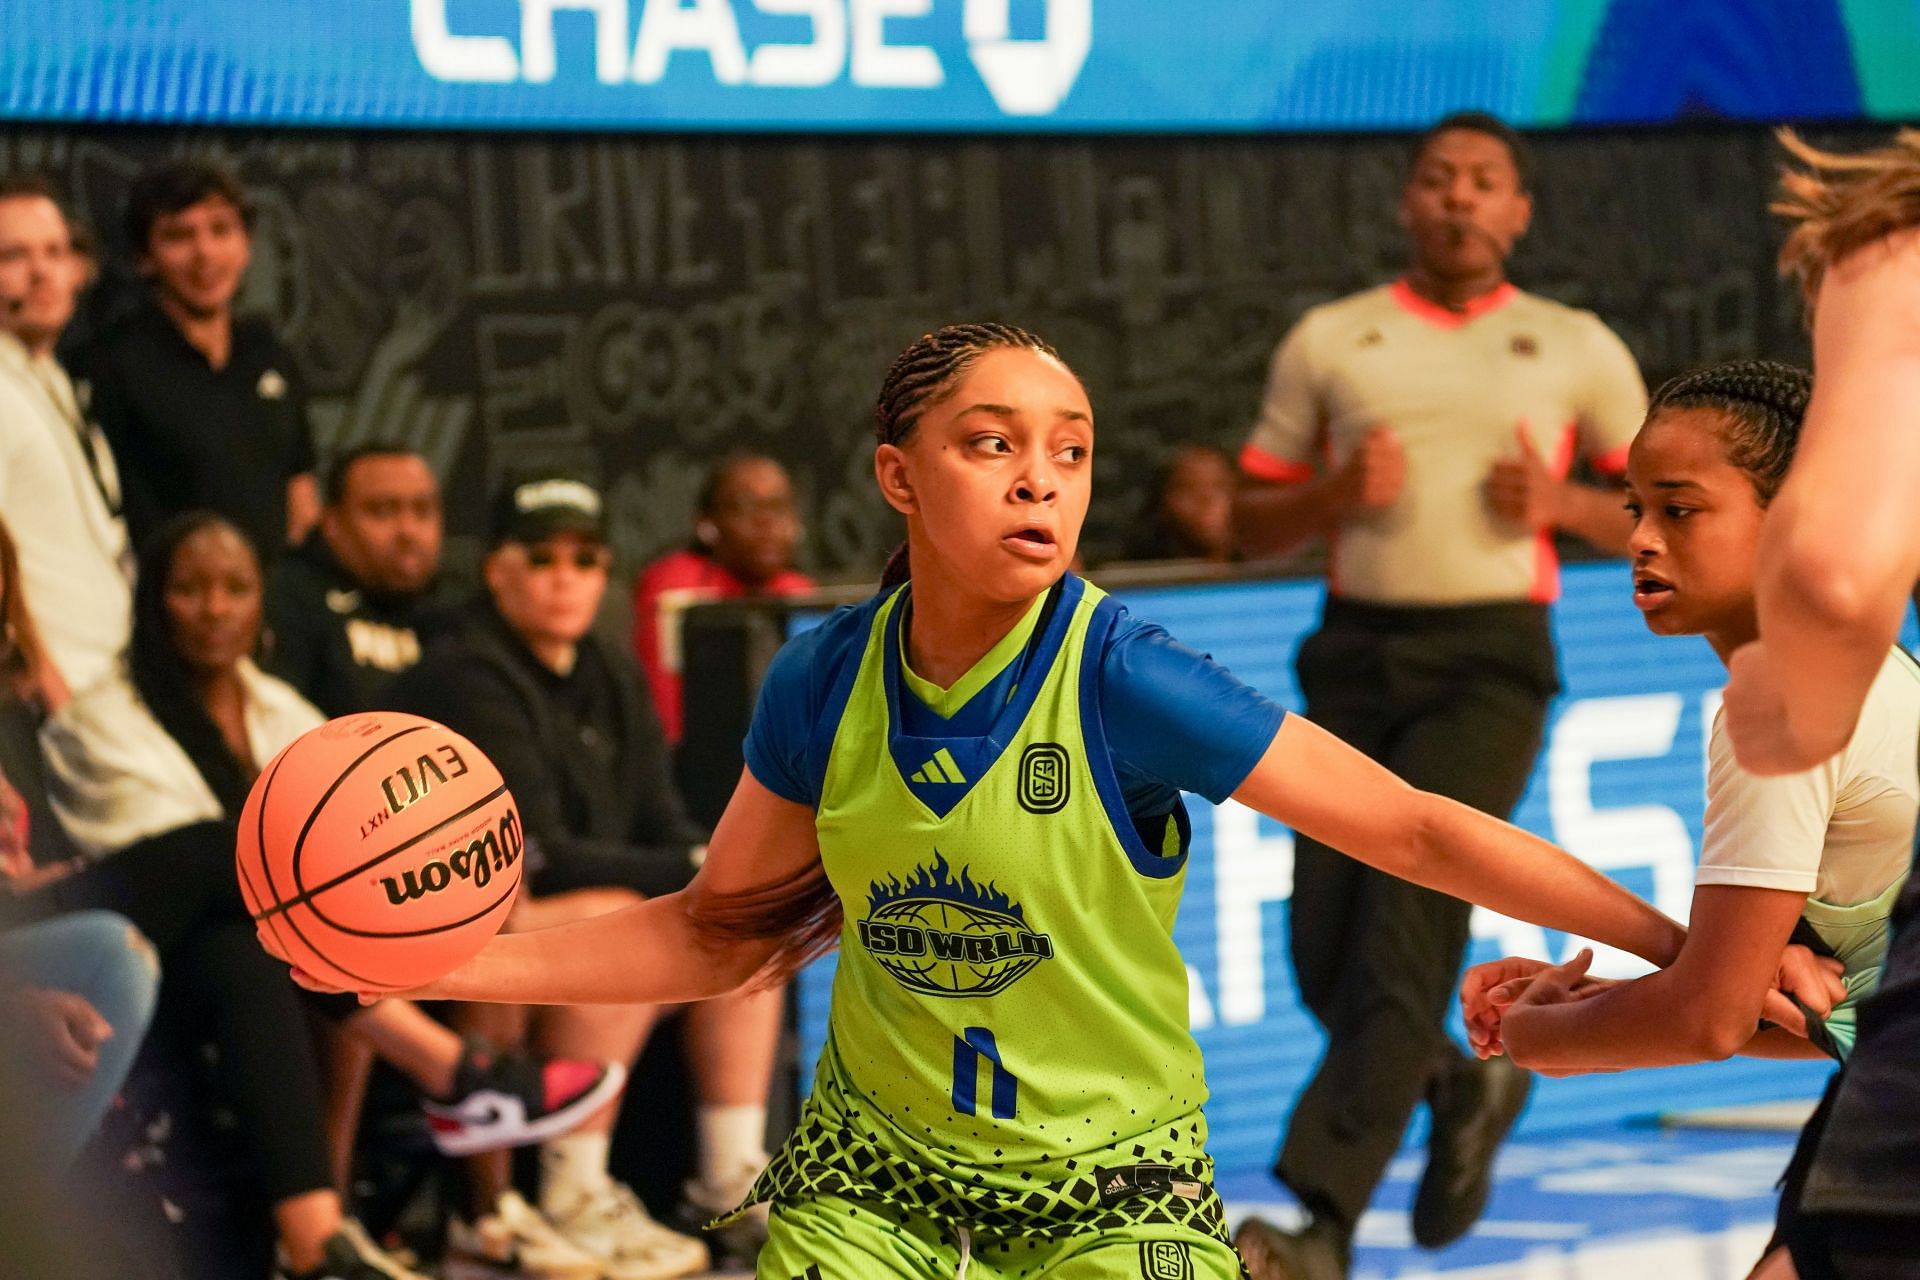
1840 550
650 953
1323 788
1707 1005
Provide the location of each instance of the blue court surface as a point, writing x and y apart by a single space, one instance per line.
1629 1201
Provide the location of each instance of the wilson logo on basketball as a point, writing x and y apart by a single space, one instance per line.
477 861
418 780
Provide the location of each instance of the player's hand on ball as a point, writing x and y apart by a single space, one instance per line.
380 850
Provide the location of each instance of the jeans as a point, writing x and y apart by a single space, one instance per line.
103 959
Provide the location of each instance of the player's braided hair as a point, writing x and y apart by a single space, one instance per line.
922 376
1763 402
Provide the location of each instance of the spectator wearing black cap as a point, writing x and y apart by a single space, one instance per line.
566 717
203 407
354 605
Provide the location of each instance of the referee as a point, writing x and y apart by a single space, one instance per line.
1427 428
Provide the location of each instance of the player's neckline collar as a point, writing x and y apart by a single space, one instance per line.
972 756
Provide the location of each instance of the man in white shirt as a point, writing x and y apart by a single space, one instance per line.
1426 428
59 491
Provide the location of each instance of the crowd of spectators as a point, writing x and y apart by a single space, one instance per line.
140 696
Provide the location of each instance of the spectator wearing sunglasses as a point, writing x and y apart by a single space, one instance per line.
567 718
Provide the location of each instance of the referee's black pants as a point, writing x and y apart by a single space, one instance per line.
1453 700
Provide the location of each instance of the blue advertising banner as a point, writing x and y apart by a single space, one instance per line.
967 65
1620 783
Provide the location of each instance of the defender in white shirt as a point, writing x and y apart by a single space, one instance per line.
1818 857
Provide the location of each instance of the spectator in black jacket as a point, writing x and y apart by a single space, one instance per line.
203 404
567 719
353 606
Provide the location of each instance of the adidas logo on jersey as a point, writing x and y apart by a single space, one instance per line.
939 769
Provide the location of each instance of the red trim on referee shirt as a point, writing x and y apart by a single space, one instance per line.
1611 463
1261 465
1546 561
1446 317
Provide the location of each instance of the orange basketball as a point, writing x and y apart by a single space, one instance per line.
379 851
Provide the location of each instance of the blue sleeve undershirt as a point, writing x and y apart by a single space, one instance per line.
1175 719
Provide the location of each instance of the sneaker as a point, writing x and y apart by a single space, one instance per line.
614 1226
1271 1253
737 1242
350 1254
516 1237
1473 1105
511 1100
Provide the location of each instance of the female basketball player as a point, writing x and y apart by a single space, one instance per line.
971 781
1820 856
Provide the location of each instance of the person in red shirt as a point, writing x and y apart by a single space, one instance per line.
745 532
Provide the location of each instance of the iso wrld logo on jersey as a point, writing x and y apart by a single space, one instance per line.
1165 1260
1044 787
942 935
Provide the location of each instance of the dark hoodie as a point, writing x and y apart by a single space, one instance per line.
339 644
583 754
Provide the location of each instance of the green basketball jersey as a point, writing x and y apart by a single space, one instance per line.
1857 936
1008 1044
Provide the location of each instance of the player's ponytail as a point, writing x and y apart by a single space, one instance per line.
899 568
801 911
1761 404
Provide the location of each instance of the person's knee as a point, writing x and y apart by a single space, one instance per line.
133 987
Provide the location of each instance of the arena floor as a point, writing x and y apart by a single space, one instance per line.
1677 1204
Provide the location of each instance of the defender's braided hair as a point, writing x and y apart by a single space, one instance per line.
1764 402
922 376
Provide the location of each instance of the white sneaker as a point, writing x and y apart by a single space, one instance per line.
350 1254
514 1235
613 1225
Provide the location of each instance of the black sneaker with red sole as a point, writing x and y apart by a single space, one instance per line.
503 1100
